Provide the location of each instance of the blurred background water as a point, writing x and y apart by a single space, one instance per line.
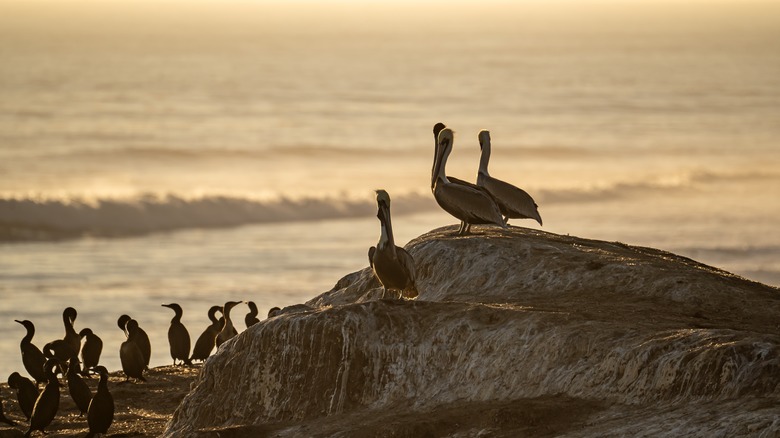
203 152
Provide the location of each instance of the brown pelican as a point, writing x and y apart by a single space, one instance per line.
392 265
469 204
514 202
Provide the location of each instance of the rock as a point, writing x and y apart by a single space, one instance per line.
515 333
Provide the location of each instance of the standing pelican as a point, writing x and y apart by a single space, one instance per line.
48 401
90 352
228 331
251 318
470 205
513 202
100 413
207 339
32 357
71 337
178 337
392 265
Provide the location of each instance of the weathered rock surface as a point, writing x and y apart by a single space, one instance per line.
515 333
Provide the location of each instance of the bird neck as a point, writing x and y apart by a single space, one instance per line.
484 159
28 337
386 238
103 383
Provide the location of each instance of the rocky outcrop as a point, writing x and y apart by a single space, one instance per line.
515 333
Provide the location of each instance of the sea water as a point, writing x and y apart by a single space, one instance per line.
205 153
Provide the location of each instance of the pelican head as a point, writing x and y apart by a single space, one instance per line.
437 129
444 143
382 203
484 138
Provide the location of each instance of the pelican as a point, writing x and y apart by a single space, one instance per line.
392 265
513 202
472 205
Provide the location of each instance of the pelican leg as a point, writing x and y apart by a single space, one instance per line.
462 228
506 220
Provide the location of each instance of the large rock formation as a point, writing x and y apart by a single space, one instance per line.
515 333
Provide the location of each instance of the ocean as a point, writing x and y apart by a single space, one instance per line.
211 151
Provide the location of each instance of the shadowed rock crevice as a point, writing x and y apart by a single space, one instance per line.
504 317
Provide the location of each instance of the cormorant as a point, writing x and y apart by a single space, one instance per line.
130 354
141 338
228 331
78 389
207 339
273 311
100 413
90 352
48 401
26 392
71 337
251 318
178 336
32 357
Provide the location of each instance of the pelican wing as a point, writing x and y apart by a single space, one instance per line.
468 204
371 252
514 202
407 263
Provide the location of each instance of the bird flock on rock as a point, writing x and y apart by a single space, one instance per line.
61 357
490 201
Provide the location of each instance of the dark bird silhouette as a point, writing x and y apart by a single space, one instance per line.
207 339
130 354
178 336
514 202
26 392
78 389
140 336
251 318
71 337
273 311
60 350
122 323
392 265
468 204
48 401
228 331
3 419
32 357
90 352
100 413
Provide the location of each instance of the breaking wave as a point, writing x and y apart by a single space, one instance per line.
29 218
